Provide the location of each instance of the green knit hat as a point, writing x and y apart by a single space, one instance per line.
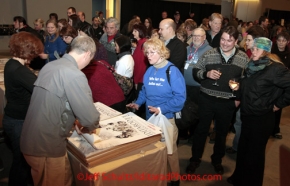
263 43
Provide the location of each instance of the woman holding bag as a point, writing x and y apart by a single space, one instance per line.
162 91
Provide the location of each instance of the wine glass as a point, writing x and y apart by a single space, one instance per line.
216 83
233 84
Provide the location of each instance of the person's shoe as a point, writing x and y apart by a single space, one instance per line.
218 168
190 169
278 136
175 183
212 137
230 150
1 165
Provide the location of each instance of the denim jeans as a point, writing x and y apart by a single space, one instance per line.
20 171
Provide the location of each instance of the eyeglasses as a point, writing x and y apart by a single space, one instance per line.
150 53
197 36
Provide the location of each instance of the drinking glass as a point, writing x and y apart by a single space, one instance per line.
216 81
233 84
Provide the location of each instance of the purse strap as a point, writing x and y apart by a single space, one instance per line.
110 68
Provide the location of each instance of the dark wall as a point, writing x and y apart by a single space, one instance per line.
154 8
277 15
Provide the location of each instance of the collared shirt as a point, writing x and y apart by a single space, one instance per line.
228 57
61 94
167 41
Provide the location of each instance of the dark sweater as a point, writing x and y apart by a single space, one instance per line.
211 60
19 82
215 41
177 53
104 86
283 55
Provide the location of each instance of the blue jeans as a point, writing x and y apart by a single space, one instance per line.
238 128
20 173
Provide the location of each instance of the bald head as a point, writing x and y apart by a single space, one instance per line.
167 28
82 16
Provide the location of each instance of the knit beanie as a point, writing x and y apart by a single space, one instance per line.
263 43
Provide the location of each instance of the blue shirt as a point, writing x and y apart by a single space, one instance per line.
157 91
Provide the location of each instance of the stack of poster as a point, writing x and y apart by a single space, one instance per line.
118 134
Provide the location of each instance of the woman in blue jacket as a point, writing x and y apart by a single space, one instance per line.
161 93
54 46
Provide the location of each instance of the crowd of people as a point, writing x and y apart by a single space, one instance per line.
230 72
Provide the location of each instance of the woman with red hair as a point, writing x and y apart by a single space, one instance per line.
19 81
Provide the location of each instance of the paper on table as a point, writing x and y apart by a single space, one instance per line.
105 111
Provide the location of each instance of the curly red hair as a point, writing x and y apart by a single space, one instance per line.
25 45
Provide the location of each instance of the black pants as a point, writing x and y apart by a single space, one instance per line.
250 162
222 110
20 171
192 93
277 122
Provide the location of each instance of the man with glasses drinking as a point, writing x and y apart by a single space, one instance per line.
214 34
216 100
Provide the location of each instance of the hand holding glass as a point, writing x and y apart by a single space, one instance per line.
234 85
216 83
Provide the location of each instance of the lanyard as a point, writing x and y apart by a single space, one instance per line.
192 54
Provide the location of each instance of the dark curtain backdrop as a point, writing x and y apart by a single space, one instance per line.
154 8
277 15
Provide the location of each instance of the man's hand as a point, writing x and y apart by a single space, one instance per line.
213 74
237 103
275 108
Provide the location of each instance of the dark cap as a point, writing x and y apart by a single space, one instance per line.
176 12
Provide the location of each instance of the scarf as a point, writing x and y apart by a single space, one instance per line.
256 66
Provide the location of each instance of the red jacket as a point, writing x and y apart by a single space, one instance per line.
105 88
140 62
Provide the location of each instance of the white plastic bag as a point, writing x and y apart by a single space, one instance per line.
167 130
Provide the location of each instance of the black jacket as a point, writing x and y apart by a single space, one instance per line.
264 89
31 30
284 55
215 42
177 53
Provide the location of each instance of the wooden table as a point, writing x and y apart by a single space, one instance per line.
142 167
